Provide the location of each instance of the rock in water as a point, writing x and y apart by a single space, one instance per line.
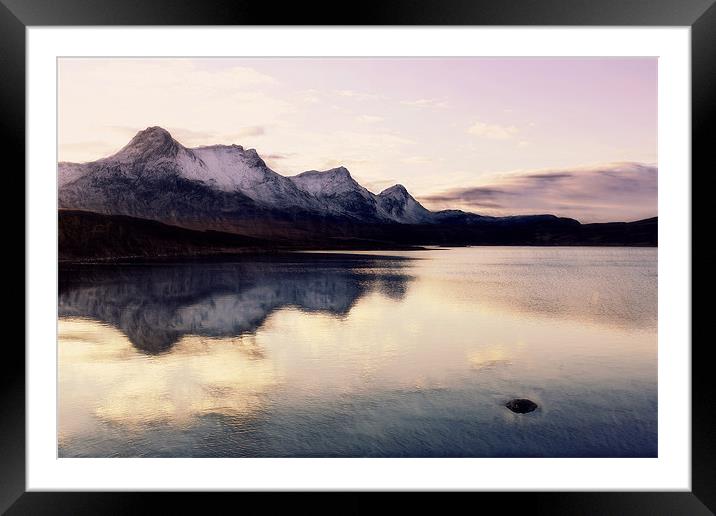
521 405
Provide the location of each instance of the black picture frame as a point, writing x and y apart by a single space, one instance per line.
700 15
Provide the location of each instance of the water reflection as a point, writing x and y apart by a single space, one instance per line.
353 356
200 377
156 305
612 287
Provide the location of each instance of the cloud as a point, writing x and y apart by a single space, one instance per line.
492 131
425 103
276 156
369 119
278 160
417 160
359 95
256 130
195 100
311 96
612 192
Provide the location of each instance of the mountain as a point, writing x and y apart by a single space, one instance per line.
226 178
339 193
230 189
399 205
156 177
231 174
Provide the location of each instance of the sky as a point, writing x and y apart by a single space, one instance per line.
499 136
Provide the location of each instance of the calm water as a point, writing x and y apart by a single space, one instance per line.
335 355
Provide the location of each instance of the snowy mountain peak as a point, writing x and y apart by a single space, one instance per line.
253 158
221 146
399 205
398 191
339 171
328 182
233 153
152 140
151 135
340 175
155 130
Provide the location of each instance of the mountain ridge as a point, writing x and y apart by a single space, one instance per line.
231 189
154 153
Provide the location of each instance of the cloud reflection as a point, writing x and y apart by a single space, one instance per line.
200 377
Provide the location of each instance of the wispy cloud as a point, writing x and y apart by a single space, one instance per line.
426 103
278 160
310 96
369 119
612 192
492 131
359 95
255 130
276 156
417 160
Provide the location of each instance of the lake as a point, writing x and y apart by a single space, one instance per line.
369 354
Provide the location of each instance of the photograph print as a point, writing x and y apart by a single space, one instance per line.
357 257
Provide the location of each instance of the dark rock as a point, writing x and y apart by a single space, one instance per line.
521 405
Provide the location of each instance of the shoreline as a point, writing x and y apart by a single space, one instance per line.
239 253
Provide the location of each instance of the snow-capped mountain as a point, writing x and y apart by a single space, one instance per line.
398 204
155 176
231 192
341 194
153 155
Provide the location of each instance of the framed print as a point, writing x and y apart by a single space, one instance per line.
442 248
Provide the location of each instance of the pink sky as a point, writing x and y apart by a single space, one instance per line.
436 125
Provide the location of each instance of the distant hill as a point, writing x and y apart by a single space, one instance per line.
88 236
638 233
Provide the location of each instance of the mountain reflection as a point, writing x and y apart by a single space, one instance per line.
155 305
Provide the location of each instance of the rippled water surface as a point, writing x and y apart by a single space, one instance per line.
401 354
